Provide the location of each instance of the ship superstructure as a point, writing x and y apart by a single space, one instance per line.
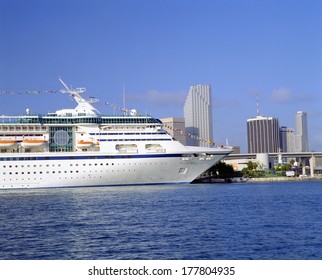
81 147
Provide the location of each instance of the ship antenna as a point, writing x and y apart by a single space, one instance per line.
124 98
257 105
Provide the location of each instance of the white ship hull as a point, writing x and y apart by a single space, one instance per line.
43 170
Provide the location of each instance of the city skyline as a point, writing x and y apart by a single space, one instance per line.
150 52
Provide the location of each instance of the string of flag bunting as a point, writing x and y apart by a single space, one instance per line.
114 107
29 92
117 107
190 135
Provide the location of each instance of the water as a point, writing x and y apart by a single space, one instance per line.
219 221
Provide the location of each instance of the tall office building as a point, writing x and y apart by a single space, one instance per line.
287 139
176 128
198 115
263 135
301 135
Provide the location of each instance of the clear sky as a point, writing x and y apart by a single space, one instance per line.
158 48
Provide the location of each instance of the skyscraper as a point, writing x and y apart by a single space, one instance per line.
263 135
301 135
287 138
198 115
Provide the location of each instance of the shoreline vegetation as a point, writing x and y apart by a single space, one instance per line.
224 173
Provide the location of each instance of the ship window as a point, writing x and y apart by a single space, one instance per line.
61 137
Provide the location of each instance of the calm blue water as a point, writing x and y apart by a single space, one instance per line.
219 221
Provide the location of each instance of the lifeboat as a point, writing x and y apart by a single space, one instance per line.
8 143
32 143
84 144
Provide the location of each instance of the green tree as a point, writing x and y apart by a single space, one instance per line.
252 170
222 170
252 165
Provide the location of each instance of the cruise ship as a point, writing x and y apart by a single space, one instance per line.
81 147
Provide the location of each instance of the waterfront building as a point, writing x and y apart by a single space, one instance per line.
287 139
301 133
198 116
176 128
263 135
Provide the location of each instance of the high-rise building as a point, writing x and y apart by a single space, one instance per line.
176 128
287 139
263 135
198 115
301 135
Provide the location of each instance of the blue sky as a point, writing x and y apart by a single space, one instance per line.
158 48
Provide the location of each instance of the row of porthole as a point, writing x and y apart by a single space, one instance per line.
53 172
59 171
84 164
60 178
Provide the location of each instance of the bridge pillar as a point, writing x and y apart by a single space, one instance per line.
303 170
312 165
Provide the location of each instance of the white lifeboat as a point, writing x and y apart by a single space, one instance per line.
8 143
33 143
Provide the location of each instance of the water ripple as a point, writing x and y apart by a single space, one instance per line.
229 221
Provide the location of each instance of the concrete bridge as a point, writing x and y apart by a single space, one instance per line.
308 160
